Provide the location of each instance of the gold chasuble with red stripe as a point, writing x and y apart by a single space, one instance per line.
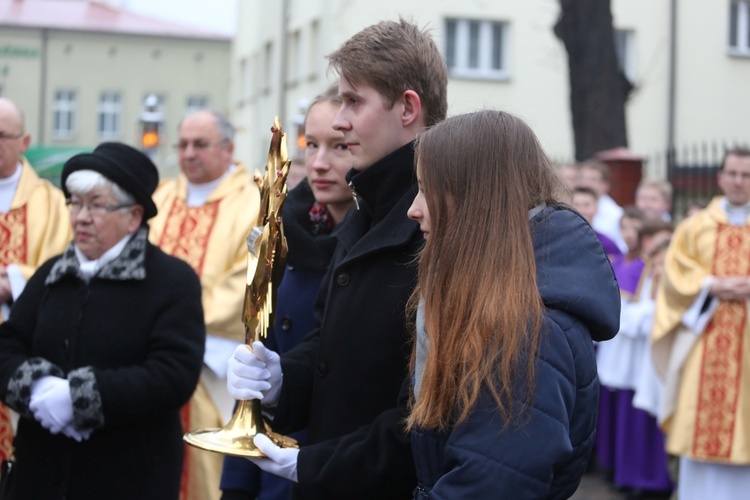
211 238
187 232
36 228
721 364
711 420
12 249
13 236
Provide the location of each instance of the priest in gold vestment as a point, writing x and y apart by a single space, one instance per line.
205 216
33 225
701 341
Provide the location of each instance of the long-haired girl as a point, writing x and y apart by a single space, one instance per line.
512 288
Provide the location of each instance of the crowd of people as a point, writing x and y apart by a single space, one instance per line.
672 413
630 447
455 316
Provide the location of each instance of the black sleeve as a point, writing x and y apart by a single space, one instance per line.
298 367
375 459
16 337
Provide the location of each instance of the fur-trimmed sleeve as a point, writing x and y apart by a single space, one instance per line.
18 394
87 401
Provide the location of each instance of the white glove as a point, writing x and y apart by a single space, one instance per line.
254 374
51 403
71 432
44 384
280 461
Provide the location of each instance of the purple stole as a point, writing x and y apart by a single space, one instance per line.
629 275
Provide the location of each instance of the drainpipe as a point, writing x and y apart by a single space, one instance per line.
671 99
43 87
283 58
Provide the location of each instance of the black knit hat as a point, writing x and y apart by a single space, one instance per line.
127 167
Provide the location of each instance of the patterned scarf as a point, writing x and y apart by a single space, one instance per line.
320 220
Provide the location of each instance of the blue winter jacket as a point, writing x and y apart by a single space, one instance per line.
544 454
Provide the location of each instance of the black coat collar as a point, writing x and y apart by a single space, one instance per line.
382 185
386 190
308 252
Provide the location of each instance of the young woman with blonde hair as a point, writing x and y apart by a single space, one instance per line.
513 286
311 211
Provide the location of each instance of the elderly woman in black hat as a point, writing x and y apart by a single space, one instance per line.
104 346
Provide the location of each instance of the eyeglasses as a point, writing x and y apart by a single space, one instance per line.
10 137
94 208
198 145
743 176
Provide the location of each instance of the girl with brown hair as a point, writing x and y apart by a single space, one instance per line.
513 286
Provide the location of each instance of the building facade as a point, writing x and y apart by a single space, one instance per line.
689 63
81 71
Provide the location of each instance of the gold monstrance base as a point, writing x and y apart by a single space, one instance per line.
236 438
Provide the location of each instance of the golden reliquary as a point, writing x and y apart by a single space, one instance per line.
265 268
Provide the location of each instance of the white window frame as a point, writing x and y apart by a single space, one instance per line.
295 62
267 66
252 75
624 47
741 46
461 66
314 57
65 111
109 117
196 103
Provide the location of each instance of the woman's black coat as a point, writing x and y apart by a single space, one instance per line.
131 342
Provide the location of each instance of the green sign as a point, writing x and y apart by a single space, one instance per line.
9 50
48 161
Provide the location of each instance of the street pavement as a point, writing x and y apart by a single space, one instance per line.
594 487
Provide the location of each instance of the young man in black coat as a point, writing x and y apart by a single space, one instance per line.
343 382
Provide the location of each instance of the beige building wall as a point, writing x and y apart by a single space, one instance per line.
536 61
647 112
710 83
90 64
21 58
712 90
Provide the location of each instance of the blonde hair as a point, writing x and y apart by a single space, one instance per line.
331 95
598 166
663 187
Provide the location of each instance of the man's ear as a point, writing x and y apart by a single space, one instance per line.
227 152
26 139
412 111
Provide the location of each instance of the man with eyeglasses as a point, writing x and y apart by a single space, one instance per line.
33 225
701 340
204 217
